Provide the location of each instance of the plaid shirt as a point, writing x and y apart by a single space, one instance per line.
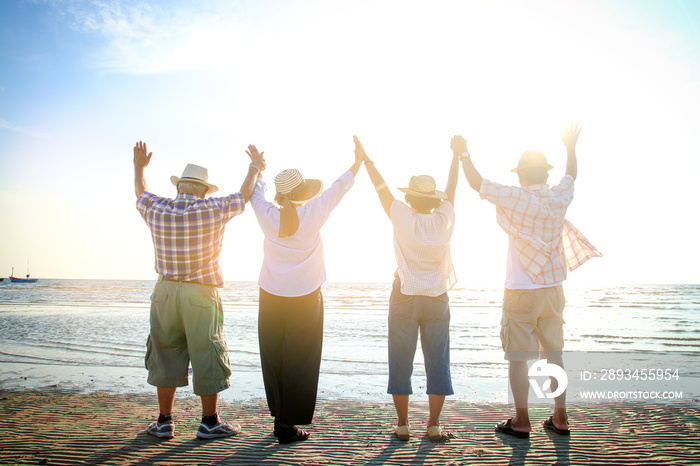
187 234
533 216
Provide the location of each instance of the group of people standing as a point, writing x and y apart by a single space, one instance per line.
187 315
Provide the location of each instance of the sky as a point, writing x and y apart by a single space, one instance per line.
81 81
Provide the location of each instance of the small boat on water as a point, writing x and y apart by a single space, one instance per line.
14 279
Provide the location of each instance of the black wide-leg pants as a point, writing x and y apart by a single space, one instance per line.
290 333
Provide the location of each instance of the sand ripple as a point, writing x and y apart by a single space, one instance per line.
50 427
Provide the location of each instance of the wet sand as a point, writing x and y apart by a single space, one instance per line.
54 427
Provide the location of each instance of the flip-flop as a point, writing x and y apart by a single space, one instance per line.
505 428
402 432
549 424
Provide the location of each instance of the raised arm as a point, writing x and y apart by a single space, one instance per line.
141 160
452 177
359 156
385 196
255 169
569 137
459 148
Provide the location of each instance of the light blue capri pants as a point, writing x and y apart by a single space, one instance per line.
409 315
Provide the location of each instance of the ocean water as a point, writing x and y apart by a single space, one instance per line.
87 335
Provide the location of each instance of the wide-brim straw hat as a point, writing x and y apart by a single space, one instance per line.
423 186
532 159
298 189
197 174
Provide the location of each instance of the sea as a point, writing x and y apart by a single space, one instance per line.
90 335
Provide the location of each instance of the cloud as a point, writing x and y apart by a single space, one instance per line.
137 37
4 124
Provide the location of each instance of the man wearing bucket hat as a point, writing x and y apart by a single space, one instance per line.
542 245
290 318
419 301
186 312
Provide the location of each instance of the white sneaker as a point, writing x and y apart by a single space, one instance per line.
164 430
221 429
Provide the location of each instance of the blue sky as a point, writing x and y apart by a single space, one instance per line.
82 81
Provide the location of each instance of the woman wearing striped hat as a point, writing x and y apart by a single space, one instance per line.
290 316
419 302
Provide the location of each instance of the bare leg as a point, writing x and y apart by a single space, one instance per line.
209 404
559 418
519 385
166 400
401 405
435 403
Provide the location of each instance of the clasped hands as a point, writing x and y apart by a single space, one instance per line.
459 146
360 153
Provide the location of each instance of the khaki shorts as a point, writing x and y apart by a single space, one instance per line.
532 324
187 326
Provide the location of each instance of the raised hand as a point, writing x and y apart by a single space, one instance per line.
458 146
360 154
385 196
141 155
570 136
257 159
253 152
459 151
141 160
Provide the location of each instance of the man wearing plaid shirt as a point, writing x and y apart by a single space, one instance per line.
186 312
542 245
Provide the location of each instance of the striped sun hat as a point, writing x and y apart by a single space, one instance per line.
290 183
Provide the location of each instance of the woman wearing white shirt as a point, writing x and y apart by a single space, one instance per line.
419 301
290 319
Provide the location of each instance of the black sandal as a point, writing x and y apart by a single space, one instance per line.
291 434
505 428
549 424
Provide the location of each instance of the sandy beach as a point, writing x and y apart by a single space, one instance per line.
73 387
53 427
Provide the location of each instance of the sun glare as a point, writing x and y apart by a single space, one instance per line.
300 79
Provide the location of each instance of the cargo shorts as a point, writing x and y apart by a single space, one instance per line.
532 325
187 326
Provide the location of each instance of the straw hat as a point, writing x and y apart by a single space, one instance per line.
423 186
195 173
290 183
532 159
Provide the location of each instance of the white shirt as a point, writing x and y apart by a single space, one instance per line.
517 277
294 266
422 249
